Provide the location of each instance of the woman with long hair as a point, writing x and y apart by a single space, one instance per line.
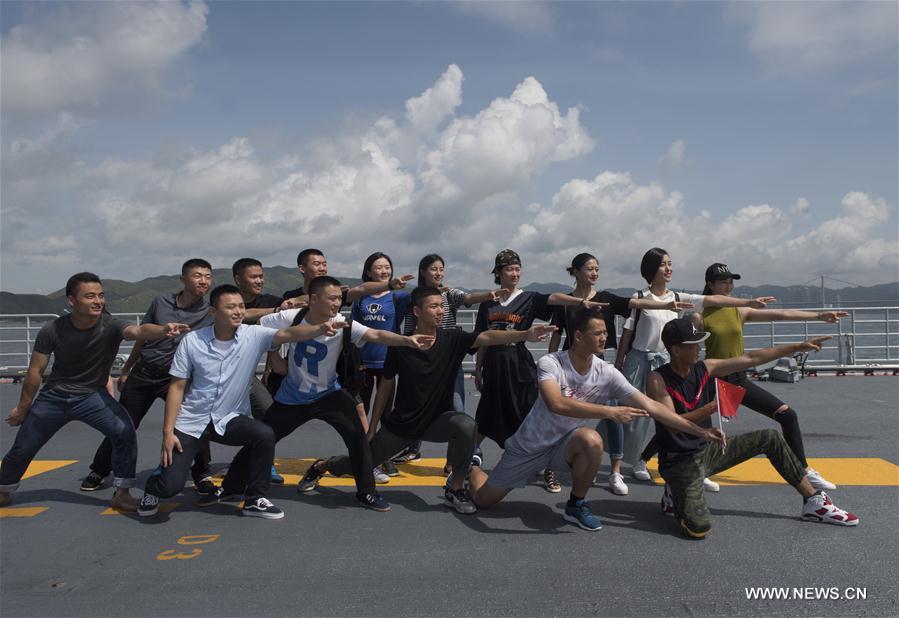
725 325
585 270
383 311
641 350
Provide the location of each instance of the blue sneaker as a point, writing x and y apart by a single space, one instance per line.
277 479
581 515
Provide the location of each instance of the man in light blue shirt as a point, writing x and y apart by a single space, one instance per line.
209 400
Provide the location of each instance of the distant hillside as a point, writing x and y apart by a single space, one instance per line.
135 297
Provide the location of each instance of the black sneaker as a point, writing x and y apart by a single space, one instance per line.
390 468
460 500
210 499
92 482
149 505
311 478
373 501
205 487
262 507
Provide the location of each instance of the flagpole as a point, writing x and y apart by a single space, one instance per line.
720 418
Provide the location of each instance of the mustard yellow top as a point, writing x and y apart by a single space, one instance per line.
726 328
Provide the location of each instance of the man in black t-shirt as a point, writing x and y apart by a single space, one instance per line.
685 385
145 376
423 409
84 344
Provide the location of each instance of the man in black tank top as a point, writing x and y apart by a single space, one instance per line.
686 386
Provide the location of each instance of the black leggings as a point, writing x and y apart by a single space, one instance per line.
763 402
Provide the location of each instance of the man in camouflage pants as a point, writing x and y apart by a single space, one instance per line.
684 385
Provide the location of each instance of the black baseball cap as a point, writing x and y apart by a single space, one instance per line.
682 330
719 271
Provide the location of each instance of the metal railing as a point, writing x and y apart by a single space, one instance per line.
867 337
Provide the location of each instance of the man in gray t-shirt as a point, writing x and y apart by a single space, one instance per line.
84 344
145 376
553 435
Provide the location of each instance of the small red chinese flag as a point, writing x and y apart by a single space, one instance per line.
729 398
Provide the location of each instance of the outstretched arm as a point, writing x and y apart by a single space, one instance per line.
777 315
151 332
557 298
302 332
472 298
370 288
668 417
719 300
535 333
388 338
551 393
727 366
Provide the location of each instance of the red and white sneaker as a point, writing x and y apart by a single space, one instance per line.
821 509
667 504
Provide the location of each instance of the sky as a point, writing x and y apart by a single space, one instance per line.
136 135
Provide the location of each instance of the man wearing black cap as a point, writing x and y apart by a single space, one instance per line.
685 460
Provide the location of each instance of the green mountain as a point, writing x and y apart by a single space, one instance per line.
135 297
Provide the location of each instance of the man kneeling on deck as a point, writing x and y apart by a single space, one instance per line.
209 400
424 397
554 435
684 461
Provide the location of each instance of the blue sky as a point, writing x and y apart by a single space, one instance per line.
763 135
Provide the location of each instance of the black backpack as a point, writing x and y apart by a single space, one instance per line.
349 364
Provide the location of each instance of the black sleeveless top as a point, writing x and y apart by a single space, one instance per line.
688 394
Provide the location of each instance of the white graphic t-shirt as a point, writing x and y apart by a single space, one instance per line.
312 364
542 428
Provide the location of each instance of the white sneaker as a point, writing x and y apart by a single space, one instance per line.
640 472
818 481
819 508
381 477
616 483
711 485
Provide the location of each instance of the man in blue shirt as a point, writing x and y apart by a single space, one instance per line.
209 400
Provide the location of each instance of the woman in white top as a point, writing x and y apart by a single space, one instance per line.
640 350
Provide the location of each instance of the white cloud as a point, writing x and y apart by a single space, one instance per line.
752 239
792 37
432 180
528 17
77 59
801 206
676 154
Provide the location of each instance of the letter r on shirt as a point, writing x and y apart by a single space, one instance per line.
313 352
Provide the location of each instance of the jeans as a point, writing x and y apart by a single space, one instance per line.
137 397
613 435
257 440
53 409
339 411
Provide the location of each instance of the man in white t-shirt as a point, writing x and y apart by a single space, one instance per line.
312 388
558 431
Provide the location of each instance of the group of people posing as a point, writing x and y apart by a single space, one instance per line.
389 376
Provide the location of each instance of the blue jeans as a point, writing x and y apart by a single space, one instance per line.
53 409
613 433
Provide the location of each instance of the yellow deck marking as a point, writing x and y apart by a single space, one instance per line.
164 507
21 511
425 472
40 466
839 470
